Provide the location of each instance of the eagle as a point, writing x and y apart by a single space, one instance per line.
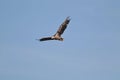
57 35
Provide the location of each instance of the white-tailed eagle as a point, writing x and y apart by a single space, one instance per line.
57 35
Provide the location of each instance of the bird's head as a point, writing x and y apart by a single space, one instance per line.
61 39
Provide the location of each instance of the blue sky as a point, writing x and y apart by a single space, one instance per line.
91 46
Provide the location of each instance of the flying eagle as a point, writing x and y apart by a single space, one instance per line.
57 35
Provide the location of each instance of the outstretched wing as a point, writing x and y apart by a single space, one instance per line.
63 26
46 38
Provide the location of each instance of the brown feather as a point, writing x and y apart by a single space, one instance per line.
63 26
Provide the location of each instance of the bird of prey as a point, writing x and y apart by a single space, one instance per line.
57 35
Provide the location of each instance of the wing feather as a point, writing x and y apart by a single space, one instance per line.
46 38
63 26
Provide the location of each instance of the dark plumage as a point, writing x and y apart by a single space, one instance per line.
46 38
59 32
